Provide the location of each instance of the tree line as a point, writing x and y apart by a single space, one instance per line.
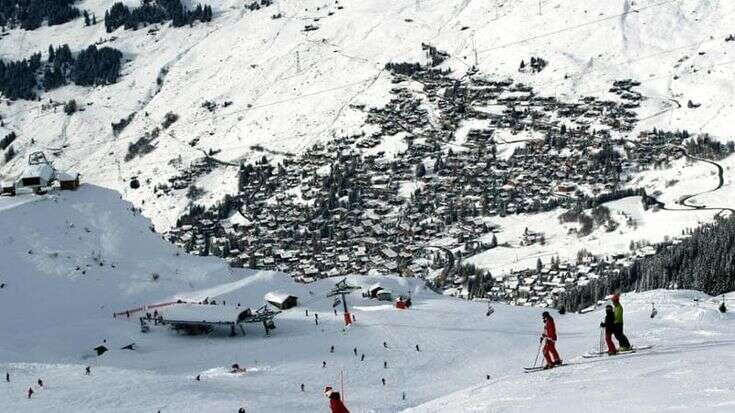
30 14
154 11
92 66
704 261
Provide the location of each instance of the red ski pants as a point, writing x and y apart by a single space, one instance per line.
550 353
608 340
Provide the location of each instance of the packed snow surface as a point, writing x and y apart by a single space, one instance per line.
55 314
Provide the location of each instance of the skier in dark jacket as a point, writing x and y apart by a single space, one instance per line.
609 325
335 401
618 324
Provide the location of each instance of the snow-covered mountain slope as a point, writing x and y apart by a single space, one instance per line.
688 369
74 258
290 88
55 315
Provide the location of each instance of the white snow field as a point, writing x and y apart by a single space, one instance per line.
53 315
291 88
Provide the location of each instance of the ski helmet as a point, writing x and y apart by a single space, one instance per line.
545 315
615 298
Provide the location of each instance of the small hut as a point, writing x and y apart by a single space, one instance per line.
374 289
385 295
68 181
281 301
7 188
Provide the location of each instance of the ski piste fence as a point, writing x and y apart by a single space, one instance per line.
145 308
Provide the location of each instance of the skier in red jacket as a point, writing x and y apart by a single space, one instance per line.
335 402
550 354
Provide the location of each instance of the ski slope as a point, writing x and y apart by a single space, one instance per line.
55 316
688 369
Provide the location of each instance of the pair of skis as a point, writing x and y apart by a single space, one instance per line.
594 354
542 368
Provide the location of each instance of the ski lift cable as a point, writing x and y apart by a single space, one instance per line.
578 26
278 102
628 61
667 76
624 62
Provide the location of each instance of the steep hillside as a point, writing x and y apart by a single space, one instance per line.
287 88
70 260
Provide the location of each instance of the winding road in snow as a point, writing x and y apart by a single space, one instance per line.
683 200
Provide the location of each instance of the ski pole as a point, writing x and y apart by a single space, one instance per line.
601 333
538 352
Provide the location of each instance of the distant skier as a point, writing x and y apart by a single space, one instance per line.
354 350
331 349
383 381
87 371
7 377
324 364
618 324
241 410
549 335
362 358
417 347
302 387
335 401
609 325
40 383
30 392
385 344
